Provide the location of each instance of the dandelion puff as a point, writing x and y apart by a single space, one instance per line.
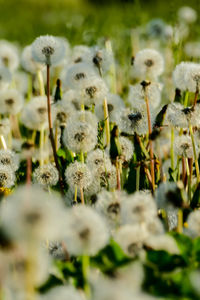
114 104
31 214
61 112
86 231
11 101
9 57
93 91
28 63
179 75
46 175
163 242
48 49
62 293
5 78
34 114
137 95
192 49
57 251
193 222
80 136
73 97
109 205
131 239
148 64
20 79
97 160
80 53
139 208
77 74
187 14
133 120
7 177
127 149
183 146
4 126
100 58
107 178
9 158
192 77
175 116
78 174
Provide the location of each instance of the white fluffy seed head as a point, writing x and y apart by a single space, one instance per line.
28 63
127 149
187 14
137 95
9 56
11 102
192 77
86 231
98 160
140 208
5 77
46 175
9 158
7 176
109 206
114 103
61 112
48 49
183 146
31 214
193 222
78 174
148 64
62 293
34 114
131 239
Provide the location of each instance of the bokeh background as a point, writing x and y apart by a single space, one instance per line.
82 21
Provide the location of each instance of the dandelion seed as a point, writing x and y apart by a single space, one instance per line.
48 49
148 64
46 175
86 231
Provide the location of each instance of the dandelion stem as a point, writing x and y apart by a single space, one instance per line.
28 170
106 118
150 143
138 178
41 83
195 153
85 269
118 173
75 193
51 131
82 195
172 148
41 146
82 157
180 221
3 142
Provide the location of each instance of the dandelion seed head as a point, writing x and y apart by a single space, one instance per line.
187 14
7 176
48 49
148 64
86 231
9 56
28 63
8 158
11 101
46 175
5 78
78 174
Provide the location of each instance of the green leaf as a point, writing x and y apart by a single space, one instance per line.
184 244
195 202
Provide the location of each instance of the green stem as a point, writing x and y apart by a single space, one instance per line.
172 148
195 153
138 178
85 271
41 83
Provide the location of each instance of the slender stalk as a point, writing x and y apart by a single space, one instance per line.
188 177
196 97
186 98
28 170
3 142
85 270
82 157
150 143
112 71
118 173
75 193
51 136
106 118
41 83
30 87
184 172
41 143
195 153
82 195
172 148
180 221
138 178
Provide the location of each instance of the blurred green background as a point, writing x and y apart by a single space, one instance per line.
81 21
